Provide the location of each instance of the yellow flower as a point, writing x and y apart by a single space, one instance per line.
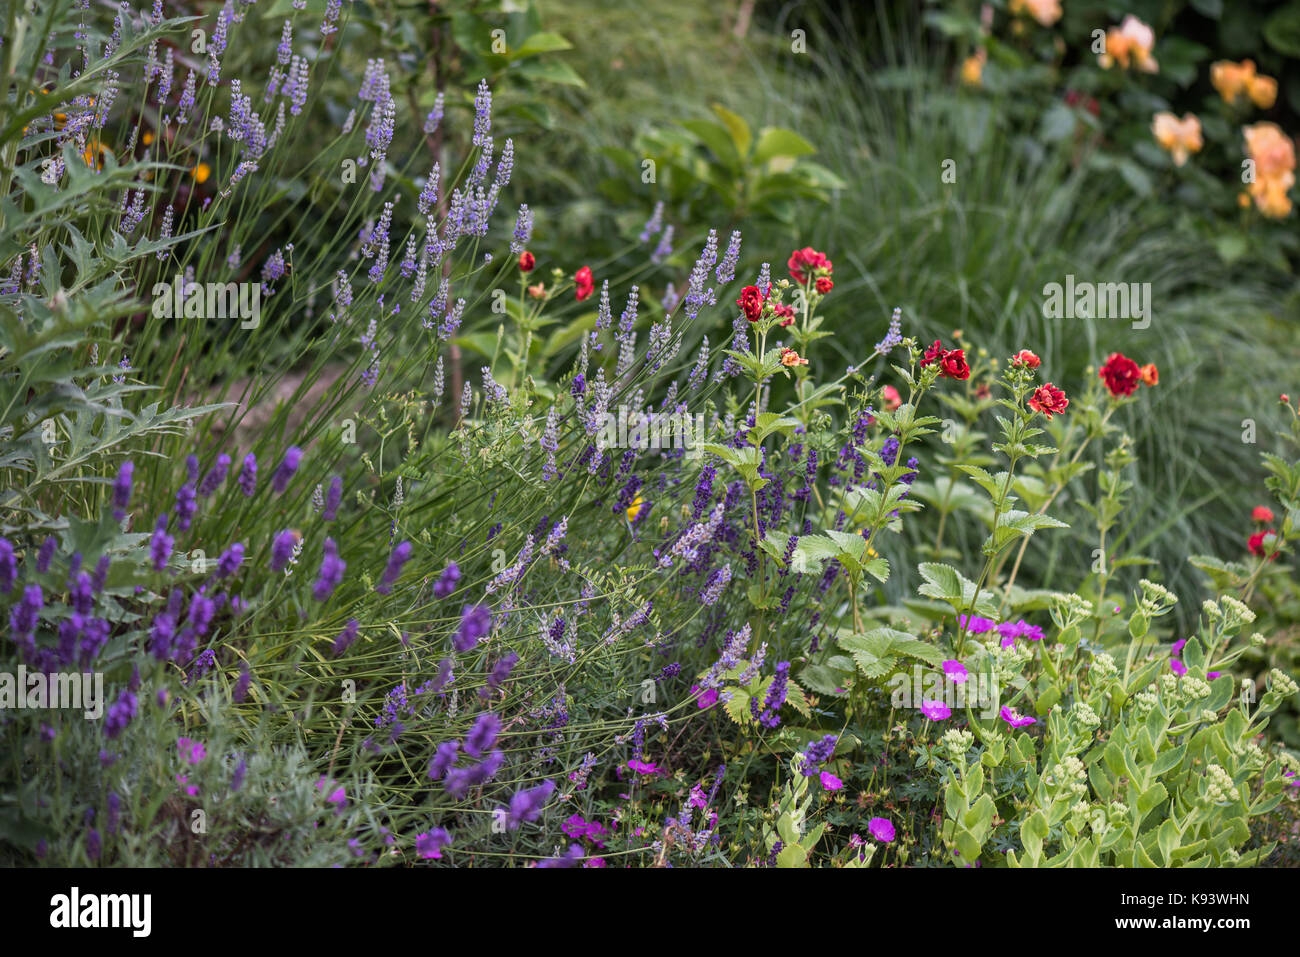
201 172
1046 12
147 137
1179 137
1231 79
94 155
1234 80
1273 154
972 68
634 509
1130 43
1263 92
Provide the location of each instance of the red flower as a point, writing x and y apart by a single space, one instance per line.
933 353
1262 514
1121 374
824 285
583 282
751 303
1027 359
1150 374
954 364
891 398
1256 543
785 312
808 263
1049 400
527 261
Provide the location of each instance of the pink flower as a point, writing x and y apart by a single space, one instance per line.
830 782
706 699
1014 718
881 829
643 767
191 789
192 752
955 670
1177 666
936 710
338 797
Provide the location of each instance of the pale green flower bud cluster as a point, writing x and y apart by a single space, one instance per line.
1145 701
1103 666
1257 640
1281 683
1235 612
1219 786
1208 716
1069 609
958 743
1169 686
1155 598
1193 688
1084 714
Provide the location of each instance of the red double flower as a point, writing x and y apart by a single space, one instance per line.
807 263
583 282
1049 400
751 303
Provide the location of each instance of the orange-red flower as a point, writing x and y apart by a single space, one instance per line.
1049 400
807 263
790 358
1262 514
824 285
527 261
1026 359
1150 374
892 400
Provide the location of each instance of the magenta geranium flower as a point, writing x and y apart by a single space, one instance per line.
1014 718
936 710
976 626
430 845
955 670
881 829
1176 664
1010 631
830 782
1176 649
192 752
706 699
643 767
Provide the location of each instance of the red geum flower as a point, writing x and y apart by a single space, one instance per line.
892 400
527 261
824 285
1256 543
1049 400
1027 359
807 263
1262 514
785 312
1150 374
751 303
1121 374
954 364
583 283
933 353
